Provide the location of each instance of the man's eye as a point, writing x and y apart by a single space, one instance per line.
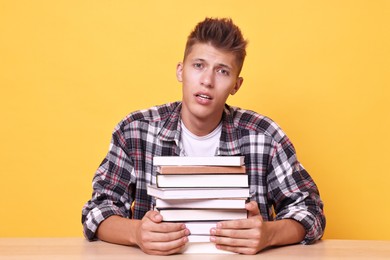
198 65
224 72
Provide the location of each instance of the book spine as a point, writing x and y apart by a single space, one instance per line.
237 203
202 181
204 248
197 193
198 238
201 169
197 161
202 214
200 228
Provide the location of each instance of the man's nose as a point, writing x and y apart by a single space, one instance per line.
207 78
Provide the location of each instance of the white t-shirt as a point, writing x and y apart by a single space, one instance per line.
193 145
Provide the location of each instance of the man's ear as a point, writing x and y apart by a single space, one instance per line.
179 71
237 86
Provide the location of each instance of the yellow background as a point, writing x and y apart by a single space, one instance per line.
70 70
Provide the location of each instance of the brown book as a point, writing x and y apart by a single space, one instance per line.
201 169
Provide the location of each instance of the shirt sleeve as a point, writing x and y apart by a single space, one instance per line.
111 195
294 192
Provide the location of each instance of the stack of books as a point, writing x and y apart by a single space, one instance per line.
200 191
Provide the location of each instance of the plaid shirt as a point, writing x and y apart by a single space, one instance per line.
278 182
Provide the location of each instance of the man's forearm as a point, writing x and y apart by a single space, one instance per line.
118 230
285 232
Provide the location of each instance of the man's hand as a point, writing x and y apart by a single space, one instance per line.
245 236
158 238
251 235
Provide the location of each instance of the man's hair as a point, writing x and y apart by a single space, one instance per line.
222 34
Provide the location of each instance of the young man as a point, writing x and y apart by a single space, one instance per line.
285 207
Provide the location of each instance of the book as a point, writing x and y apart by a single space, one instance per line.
234 203
202 214
205 160
198 238
197 193
200 228
197 169
203 248
201 180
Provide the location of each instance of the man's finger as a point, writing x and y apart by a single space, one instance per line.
152 222
252 208
236 233
165 248
169 237
154 216
240 224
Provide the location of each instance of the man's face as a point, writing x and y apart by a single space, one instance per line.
208 76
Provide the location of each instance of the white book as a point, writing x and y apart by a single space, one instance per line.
195 160
200 228
200 169
198 238
203 248
235 203
202 180
202 214
197 193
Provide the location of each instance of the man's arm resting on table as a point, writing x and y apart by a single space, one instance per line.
284 232
150 234
118 230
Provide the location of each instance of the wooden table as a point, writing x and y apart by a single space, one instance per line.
79 248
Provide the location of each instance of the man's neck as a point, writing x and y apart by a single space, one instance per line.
200 127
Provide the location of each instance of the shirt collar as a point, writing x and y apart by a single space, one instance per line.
230 136
170 130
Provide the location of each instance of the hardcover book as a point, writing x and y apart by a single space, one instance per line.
205 161
232 203
203 248
194 169
202 214
197 193
202 180
200 228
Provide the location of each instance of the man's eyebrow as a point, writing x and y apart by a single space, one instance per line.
219 64
224 66
198 59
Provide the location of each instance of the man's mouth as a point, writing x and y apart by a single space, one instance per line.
203 96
